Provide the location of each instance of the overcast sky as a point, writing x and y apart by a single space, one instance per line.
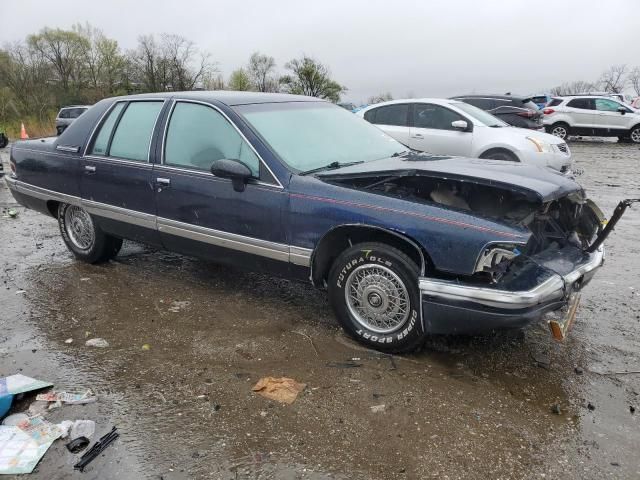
418 48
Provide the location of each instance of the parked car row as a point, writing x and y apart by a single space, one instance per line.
406 244
454 127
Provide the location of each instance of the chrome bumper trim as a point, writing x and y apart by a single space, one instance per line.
548 291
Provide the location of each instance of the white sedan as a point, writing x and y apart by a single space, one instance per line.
451 127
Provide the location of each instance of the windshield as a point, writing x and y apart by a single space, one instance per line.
480 115
310 135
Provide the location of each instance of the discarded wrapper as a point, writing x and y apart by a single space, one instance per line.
284 390
65 397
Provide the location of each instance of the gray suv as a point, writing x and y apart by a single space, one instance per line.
67 115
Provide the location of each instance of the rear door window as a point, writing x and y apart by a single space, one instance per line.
392 115
63 114
132 136
554 102
581 103
101 142
482 103
76 112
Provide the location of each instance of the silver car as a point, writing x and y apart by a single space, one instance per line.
67 115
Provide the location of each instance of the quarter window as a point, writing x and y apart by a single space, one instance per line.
101 143
133 133
427 115
198 135
605 105
390 115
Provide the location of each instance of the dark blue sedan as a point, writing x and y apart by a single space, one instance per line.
406 244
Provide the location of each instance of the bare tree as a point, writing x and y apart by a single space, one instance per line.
572 88
381 97
634 79
260 71
614 79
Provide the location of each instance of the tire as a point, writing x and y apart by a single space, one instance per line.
635 134
83 236
560 130
500 154
372 316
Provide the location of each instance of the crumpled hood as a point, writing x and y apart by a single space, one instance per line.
537 183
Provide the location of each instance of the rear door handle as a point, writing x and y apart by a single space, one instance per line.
417 135
164 182
89 169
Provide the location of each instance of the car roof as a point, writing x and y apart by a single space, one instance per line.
498 97
437 101
75 106
229 98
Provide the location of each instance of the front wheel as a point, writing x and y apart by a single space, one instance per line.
560 130
635 134
373 290
84 237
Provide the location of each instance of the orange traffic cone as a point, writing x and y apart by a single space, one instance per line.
23 133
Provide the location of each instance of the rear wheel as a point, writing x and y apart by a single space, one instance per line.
500 154
560 130
84 237
635 134
373 290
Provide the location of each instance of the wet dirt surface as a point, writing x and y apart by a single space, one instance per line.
461 408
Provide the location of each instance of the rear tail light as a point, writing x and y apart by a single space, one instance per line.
527 114
548 111
12 166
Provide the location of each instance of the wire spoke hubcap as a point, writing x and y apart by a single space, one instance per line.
377 298
79 227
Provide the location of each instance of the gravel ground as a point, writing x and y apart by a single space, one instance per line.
462 408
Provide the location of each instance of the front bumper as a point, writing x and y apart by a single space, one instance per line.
454 307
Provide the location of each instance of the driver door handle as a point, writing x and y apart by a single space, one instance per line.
164 182
417 135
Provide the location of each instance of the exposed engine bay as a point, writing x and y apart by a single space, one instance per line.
570 221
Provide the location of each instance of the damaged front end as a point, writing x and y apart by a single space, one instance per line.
513 283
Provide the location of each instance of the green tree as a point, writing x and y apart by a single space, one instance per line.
240 81
312 78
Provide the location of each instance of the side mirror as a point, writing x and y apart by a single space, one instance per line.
461 125
237 171
622 110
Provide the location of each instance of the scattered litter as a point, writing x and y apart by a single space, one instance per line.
97 448
378 408
6 401
97 342
176 306
284 390
146 347
85 279
632 409
343 364
82 428
263 413
555 409
65 428
12 213
69 340
38 408
578 371
78 444
19 383
591 406
19 292
15 419
70 398
23 445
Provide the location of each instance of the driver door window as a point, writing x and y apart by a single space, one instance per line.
198 135
426 115
432 131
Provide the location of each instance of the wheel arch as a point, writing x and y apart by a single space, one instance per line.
500 149
341 237
53 206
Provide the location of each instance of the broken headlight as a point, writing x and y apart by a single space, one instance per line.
495 260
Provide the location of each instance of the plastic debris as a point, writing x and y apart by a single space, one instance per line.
378 408
65 428
68 340
97 342
70 398
82 428
38 408
78 444
284 390
21 383
6 401
15 419
146 347
23 445
12 213
97 448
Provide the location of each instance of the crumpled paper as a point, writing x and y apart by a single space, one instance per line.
283 389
